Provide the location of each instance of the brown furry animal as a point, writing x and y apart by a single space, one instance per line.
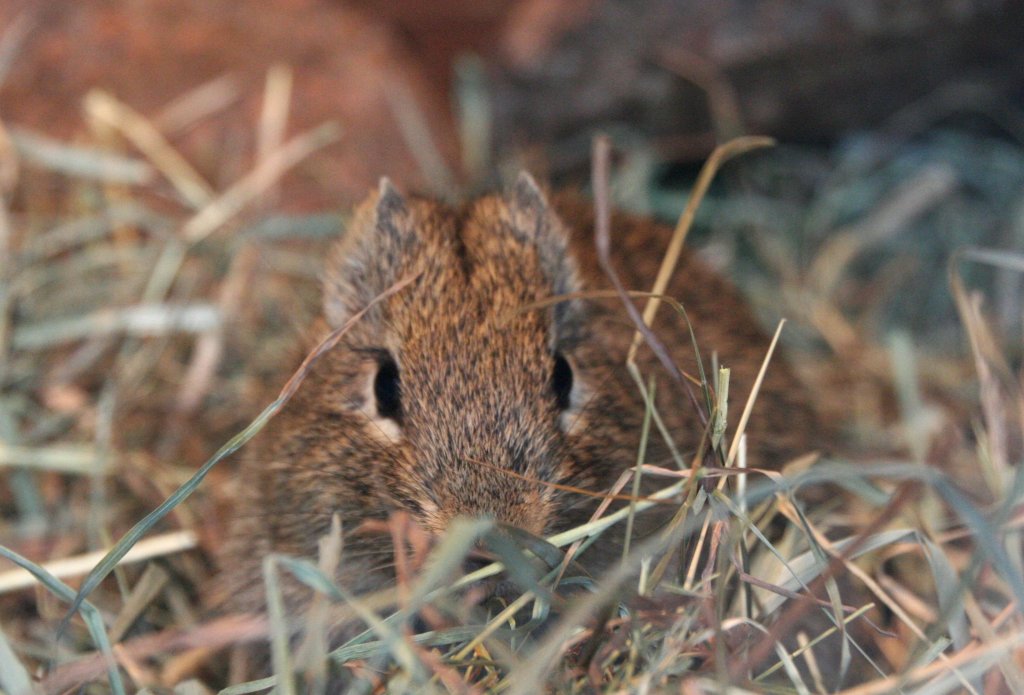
460 376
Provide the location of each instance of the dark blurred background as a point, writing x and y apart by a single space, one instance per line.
675 75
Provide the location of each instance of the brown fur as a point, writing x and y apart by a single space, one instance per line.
476 379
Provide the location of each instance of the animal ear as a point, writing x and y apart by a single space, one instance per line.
534 222
527 199
377 248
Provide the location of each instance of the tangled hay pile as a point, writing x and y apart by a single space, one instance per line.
147 317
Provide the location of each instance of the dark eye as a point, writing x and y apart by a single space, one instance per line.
387 388
561 381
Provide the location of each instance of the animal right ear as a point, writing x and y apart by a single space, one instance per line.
380 241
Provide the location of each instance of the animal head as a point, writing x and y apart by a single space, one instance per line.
469 389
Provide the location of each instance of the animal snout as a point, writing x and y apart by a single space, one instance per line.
519 504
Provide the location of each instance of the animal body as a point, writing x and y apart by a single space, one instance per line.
467 392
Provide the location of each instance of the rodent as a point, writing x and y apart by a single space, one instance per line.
460 374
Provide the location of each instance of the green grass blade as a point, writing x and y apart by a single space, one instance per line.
985 534
280 635
446 559
14 679
519 568
91 616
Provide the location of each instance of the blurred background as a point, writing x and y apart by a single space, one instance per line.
864 96
497 79
172 170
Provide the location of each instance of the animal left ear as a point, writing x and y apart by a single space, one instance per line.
379 246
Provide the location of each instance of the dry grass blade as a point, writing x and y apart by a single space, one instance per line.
494 625
224 631
641 455
417 134
474 116
111 113
277 617
721 154
755 389
144 319
600 175
979 655
1000 391
153 581
806 646
73 459
200 103
274 117
789 618
148 549
724 103
84 162
210 346
913 199
232 201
